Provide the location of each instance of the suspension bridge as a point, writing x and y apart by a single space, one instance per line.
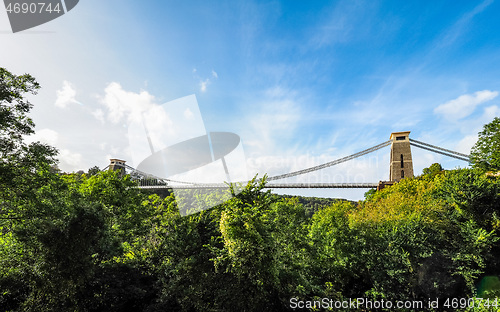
401 166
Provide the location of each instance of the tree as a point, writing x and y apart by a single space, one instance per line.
433 169
62 236
485 154
369 194
21 165
93 171
14 121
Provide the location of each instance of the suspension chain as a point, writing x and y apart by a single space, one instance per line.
440 148
465 158
331 163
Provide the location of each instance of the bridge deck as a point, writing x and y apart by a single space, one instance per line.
268 186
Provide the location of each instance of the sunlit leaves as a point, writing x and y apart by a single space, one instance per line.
485 154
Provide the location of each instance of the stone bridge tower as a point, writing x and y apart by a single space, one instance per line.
401 162
117 164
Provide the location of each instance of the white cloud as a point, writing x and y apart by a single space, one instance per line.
491 112
66 95
204 84
278 92
464 105
465 145
47 136
165 125
99 115
270 122
70 159
123 104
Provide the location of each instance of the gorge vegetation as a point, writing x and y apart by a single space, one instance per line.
94 242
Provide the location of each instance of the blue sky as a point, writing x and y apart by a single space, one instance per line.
301 82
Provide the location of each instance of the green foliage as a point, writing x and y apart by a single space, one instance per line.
333 242
378 248
13 119
103 245
472 195
371 192
485 154
310 204
23 168
82 225
94 242
93 171
408 241
434 169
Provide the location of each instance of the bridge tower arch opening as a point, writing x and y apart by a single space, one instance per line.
401 161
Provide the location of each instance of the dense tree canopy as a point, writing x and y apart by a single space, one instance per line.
13 119
433 169
485 154
21 165
95 242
